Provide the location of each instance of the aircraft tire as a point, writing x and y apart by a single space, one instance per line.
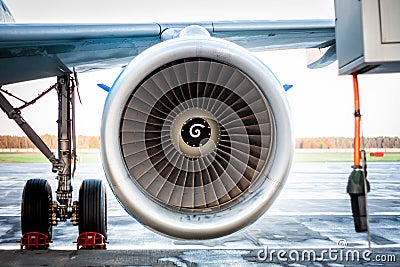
93 207
36 207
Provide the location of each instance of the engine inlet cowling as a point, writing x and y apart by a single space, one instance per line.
196 139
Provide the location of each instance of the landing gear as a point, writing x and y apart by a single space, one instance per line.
39 213
36 210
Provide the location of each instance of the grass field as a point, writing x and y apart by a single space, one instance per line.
299 157
39 158
341 157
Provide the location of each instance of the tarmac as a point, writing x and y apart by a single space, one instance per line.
310 224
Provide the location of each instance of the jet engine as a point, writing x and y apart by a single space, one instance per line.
196 137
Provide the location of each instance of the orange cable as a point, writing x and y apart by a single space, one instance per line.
357 121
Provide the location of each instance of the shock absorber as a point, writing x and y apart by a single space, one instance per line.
64 190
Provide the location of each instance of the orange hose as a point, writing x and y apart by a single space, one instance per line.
357 121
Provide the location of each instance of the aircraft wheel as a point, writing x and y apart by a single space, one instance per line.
93 207
36 207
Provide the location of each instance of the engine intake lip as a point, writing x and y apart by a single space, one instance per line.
209 219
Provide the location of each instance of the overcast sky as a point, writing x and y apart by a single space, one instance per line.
321 101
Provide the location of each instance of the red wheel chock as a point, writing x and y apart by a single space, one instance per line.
34 240
91 240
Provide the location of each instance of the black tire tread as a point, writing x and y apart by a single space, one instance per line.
93 207
35 207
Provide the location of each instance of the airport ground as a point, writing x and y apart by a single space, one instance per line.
310 224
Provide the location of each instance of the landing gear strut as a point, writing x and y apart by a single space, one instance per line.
39 212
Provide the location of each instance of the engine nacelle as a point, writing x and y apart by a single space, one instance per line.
196 137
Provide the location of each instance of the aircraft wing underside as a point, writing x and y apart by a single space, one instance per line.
46 50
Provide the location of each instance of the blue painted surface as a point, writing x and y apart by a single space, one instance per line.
287 87
104 87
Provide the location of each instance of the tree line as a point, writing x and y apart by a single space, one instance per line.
11 141
347 142
85 142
